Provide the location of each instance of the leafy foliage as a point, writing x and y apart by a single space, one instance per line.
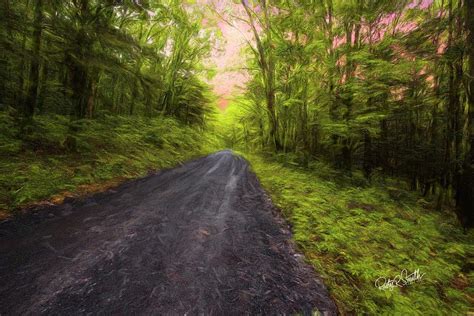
97 90
367 85
93 58
106 151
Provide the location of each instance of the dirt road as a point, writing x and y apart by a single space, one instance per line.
202 238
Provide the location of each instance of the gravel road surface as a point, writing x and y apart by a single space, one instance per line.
202 238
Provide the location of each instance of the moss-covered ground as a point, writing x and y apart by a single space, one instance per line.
353 233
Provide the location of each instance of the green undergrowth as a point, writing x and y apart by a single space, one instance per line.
353 233
55 155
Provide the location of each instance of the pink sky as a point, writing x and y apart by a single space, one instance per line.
385 23
227 55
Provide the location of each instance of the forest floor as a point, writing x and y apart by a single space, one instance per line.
62 159
202 238
354 232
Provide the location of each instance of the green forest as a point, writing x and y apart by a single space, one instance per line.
357 117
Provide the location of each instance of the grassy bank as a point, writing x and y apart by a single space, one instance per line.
54 157
353 233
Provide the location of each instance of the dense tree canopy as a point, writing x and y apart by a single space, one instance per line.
376 85
89 58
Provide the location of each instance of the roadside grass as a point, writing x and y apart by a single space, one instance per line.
353 233
62 158
350 231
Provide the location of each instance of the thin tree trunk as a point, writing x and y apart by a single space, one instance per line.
32 93
19 94
91 100
42 89
368 165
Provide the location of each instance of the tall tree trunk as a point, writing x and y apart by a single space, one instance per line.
5 31
331 68
32 92
81 82
450 110
267 67
19 98
271 101
465 192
